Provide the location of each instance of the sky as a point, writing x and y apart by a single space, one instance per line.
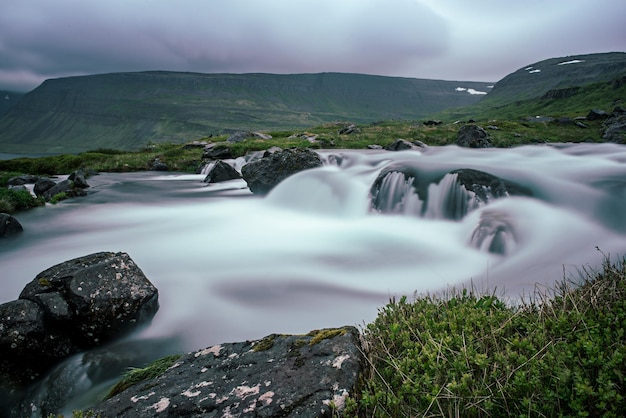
480 40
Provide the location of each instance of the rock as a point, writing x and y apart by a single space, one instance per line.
241 136
221 171
43 185
158 165
349 130
21 180
558 94
263 174
403 145
75 305
78 180
374 146
279 376
473 136
614 128
217 152
9 226
597 114
272 150
432 122
487 186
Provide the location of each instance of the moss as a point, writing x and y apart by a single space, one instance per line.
134 376
325 334
45 282
265 344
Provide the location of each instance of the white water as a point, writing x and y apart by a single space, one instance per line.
231 266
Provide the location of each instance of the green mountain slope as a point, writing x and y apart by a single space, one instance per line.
8 99
568 86
128 110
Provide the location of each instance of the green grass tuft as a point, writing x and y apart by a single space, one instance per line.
134 376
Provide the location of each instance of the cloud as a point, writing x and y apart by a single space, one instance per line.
69 37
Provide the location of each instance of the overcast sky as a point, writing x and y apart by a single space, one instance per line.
480 40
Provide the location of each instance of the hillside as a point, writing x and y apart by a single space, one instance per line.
566 86
128 110
8 99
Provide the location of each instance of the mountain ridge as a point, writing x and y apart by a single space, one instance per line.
129 110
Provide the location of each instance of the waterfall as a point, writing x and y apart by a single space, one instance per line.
396 194
449 199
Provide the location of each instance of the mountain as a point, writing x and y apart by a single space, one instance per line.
129 110
560 87
8 99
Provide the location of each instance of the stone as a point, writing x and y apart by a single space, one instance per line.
473 136
158 165
221 171
264 174
68 308
217 152
242 136
597 114
78 180
21 180
43 185
614 128
280 375
401 145
349 130
432 122
9 226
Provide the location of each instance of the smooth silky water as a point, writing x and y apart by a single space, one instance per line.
231 266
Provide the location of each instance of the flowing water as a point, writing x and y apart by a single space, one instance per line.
325 248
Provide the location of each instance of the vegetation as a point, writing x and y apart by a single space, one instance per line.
560 353
134 376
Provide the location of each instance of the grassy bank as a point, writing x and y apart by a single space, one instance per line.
561 353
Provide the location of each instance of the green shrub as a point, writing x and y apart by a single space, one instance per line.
58 197
469 355
14 200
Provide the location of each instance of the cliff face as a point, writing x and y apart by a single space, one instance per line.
128 110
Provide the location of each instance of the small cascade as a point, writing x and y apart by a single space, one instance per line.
494 234
396 194
206 169
235 163
449 199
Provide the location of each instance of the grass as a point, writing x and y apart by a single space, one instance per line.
138 375
560 353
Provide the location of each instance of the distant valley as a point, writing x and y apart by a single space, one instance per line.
127 111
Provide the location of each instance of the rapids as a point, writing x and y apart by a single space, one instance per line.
316 252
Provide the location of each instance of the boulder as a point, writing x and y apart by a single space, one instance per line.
158 165
278 376
21 180
216 152
9 226
614 128
221 171
597 114
473 136
78 180
264 174
241 136
76 305
349 130
403 145
42 185
432 122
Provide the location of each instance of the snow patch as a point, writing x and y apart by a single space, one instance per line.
532 70
570 62
470 91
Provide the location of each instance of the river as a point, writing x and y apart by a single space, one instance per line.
232 266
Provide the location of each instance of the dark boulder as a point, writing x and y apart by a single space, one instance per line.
349 130
221 171
473 136
217 152
597 114
158 165
42 185
76 305
78 180
263 174
614 128
432 122
242 136
21 180
403 145
279 376
9 226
